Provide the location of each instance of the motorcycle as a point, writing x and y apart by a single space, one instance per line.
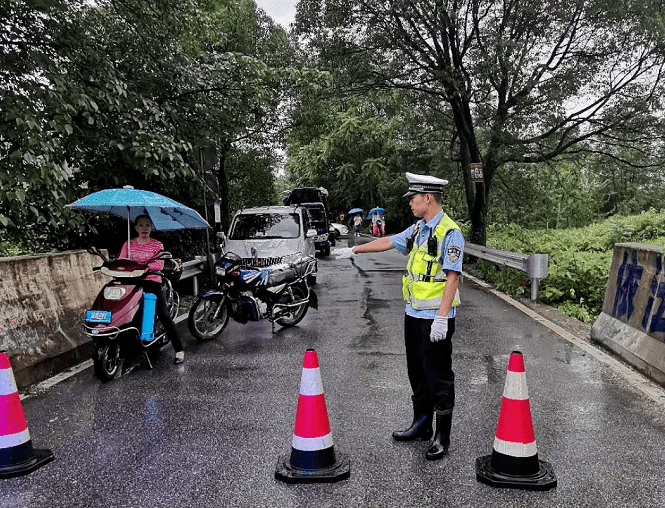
122 320
279 293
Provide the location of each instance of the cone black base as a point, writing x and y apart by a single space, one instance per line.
39 458
544 479
339 470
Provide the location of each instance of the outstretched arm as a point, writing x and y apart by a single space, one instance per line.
378 245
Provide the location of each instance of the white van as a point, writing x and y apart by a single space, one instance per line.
267 235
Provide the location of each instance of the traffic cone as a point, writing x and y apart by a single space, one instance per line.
514 461
17 457
313 457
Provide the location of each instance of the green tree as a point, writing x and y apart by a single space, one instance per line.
105 94
522 82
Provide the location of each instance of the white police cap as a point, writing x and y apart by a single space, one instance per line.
424 184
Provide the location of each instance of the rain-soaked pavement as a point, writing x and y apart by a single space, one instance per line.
209 433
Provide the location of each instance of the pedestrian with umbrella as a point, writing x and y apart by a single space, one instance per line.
357 223
378 222
149 211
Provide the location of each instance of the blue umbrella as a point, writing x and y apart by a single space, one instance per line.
128 203
356 210
376 210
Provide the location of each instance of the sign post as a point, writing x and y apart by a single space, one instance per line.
207 159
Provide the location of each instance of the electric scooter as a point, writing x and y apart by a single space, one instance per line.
122 320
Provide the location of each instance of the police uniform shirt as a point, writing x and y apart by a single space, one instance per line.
453 248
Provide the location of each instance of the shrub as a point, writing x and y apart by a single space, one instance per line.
579 259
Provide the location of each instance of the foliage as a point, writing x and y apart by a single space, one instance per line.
104 94
512 83
579 259
360 149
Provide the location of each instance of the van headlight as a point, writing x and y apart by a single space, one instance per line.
114 292
220 270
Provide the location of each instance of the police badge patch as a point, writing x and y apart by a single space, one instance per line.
453 253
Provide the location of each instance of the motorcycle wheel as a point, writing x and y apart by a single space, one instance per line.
208 318
295 314
107 361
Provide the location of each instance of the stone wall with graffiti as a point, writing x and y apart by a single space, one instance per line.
635 293
632 321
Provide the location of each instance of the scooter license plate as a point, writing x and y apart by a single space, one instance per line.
98 316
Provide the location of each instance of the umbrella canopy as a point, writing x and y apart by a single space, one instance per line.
128 203
377 210
356 210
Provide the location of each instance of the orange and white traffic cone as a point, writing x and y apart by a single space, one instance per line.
313 457
17 457
514 461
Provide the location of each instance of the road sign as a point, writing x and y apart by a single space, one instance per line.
476 170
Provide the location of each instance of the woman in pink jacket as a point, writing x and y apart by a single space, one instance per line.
142 248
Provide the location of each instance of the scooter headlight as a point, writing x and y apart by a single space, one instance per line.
114 292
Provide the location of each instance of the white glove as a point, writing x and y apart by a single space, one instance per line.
345 253
439 329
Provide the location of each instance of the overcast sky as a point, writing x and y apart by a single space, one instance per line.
282 11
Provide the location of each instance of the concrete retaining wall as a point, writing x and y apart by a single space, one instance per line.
42 305
632 321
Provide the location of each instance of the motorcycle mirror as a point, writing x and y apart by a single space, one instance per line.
222 237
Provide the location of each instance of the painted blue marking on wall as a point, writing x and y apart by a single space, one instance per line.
657 292
654 293
628 277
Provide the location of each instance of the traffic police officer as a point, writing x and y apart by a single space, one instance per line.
435 247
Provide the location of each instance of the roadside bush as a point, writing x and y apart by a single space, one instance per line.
579 259
8 249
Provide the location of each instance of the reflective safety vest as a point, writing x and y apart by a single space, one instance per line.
424 280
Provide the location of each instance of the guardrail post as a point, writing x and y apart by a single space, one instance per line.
536 267
195 285
535 285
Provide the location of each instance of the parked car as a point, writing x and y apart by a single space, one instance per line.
338 229
268 235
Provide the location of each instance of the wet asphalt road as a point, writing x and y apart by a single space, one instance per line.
209 433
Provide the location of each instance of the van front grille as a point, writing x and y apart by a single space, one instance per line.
260 262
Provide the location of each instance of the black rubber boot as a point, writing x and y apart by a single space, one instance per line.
438 446
421 428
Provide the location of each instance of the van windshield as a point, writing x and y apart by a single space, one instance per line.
265 225
317 214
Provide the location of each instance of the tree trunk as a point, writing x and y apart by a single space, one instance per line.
476 192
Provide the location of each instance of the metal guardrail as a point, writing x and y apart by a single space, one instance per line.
192 269
534 265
